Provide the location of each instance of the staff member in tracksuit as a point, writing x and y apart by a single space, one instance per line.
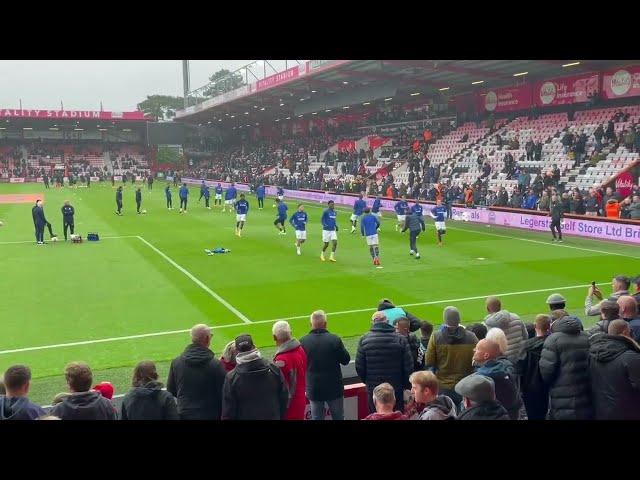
138 199
119 200
415 224
260 194
206 195
184 195
167 192
556 213
39 221
67 218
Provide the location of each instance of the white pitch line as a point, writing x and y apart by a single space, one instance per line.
230 307
516 238
219 327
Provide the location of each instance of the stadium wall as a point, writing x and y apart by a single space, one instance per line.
588 227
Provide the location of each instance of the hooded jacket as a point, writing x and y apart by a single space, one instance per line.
195 379
501 371
564 367
149 402
514 330
440 408
325 353
387 416
255 390
450 352
615 377
292 360
535 393
19 408
397 312
485 411
89 405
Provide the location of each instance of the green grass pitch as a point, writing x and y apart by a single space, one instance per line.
148 277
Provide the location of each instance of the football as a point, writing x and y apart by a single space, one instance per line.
143 211
1 223
54 239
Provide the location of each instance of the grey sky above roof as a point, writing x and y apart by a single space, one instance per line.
83 84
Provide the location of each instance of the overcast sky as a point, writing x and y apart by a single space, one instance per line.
83 84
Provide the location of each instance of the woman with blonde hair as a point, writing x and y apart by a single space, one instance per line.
228 358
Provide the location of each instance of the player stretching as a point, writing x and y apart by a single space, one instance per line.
369 229
217 200
299 222
401 208
329 231
281 219
375 209
242 208
438 213
358 207
230 197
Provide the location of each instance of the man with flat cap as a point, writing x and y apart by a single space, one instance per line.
556 302
256 388
479 399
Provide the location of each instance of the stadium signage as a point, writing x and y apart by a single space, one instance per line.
624 82
71 114
565 90
505 99
277 79
624 184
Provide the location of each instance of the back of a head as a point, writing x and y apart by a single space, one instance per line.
623 282
498 337
281 330
493 304
16 377
384 394
426 329
378 317
425 379
628 306
476 388
318 319
200 334
609 310
78 376
229 352
479 330
558 314
543 323
619 327
143 373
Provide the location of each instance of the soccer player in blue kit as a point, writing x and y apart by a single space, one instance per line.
416 208
299 221
281 219
369 229
358 207
242 208
439 213
260 193
329 231
217 200
402 209
230 197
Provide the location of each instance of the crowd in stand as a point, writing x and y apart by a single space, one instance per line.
500 369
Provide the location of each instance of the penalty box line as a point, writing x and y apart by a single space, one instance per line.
219 327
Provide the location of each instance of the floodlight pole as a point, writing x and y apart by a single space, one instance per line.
185 82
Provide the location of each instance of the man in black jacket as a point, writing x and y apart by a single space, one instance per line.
256 389
83 403
535 392
39 221
325 353
16 404
119 201
196 378
614 368
67 218
564 367
138 199
479 399
384 356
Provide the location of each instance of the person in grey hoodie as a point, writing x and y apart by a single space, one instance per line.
510 324
15 405
425 388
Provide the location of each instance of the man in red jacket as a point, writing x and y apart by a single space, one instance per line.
292 360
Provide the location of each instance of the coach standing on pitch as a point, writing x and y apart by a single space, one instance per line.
39 221
119 201
138 199
67 218
415 224
556 213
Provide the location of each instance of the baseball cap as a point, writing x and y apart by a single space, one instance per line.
244 343
106 389
555 298
477 388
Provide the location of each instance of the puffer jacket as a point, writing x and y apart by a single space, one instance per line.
501 371
440 408
564 367
514 330
615 377
449 353
535 393
384 356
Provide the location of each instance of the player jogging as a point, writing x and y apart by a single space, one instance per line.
358 207
299 222
401 208
230 197
281 219
439 213
217 200
415 224
369 229
416 208
242 208
202 187
280 194
329 231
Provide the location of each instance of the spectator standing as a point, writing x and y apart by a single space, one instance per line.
425 388
291 358
629 313
147 400
535 392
